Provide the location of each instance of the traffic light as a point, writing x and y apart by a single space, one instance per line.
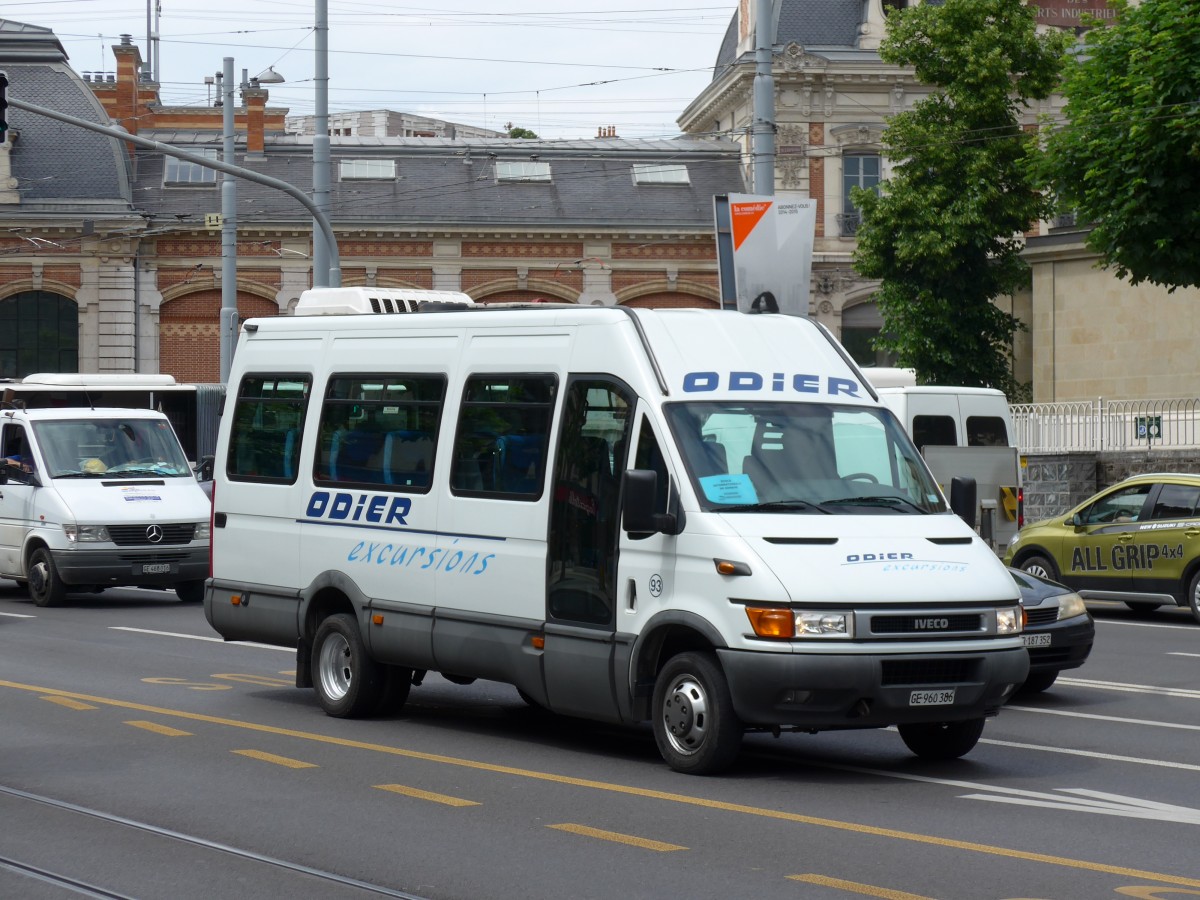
3 106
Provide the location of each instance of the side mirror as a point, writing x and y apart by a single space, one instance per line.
640 487
962 498
1076 521
204 469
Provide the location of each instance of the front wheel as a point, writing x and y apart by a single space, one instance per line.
695 727
942 740
348 682
45 586
1040 566
190 591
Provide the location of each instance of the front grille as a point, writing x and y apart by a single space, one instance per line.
916 672
927 623
153 557
135 535
1042 616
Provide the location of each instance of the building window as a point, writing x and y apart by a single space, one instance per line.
367 170
857 171
522 171
39 332
654 173
181 171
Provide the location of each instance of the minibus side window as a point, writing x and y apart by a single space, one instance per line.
268 420
379 430
500 446
986 431
934 431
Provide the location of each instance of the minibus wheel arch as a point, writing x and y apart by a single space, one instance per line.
665 636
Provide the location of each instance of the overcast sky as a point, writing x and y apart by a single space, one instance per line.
562 68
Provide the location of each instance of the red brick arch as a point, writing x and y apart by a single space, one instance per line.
189 339
671 300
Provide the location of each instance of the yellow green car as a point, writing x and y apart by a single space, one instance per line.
1137 542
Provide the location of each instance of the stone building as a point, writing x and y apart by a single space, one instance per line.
111 255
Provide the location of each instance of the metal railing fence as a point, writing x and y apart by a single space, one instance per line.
1095 425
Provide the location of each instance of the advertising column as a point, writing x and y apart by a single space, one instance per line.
772 247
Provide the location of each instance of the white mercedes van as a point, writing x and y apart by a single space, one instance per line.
702 519
96 498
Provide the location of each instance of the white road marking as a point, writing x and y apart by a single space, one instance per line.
1143 624
17 616
1186 693
1092 754
1099 718
202 637
1078 799
1178 653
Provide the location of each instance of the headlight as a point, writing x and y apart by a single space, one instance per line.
781 622
1008 620
1070 605
83 533
1016 539
202 532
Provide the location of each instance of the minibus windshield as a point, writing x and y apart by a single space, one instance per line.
809 458
111 448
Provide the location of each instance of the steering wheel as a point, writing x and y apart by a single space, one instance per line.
861 476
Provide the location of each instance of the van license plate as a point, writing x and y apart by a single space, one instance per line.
931 698
156 569
1036 640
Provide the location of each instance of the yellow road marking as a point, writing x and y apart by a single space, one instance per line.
856 888
617 837
69 703
278 760
683 799
264 680
425 795
160 729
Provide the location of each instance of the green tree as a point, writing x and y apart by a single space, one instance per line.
1127 160
943 234
518 132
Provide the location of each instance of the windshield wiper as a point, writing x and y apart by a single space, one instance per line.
775 505
878 500
79 475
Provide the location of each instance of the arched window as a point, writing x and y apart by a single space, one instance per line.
39 332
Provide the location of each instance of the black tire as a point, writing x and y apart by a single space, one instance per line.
45 586
1037 564
190 591
1142 606
1038 682
695 727
349 684
397 682
1193 596
942 740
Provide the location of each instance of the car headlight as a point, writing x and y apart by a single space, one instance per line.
782 622
83 533
1070 605
202 531
1016 539
1008 620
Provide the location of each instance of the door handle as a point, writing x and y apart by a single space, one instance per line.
1125 538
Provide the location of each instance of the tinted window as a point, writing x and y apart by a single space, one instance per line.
934 431
500 447
1176 501
380 430
1120 506
268 419
986 431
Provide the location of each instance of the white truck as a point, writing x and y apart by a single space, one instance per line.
702 519
96 498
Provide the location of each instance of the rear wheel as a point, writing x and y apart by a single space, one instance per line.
45 586
695 727
190 591
942 740
1039 565
1193 596
349 684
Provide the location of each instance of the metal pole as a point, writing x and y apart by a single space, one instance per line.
229 310
762 132
323 275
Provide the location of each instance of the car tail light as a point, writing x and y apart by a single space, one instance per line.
1020 508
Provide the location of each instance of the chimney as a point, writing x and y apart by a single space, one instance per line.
606 131
255 100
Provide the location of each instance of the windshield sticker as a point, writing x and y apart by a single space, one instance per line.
728 489
135 494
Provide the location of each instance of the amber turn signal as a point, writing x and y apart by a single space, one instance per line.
771 622
538 641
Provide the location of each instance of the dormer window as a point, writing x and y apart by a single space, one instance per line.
660 173
367 170
507 170
184 172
